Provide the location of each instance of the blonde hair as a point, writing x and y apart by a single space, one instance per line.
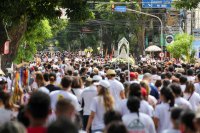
145 85
107 98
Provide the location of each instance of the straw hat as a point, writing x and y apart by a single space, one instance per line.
111 72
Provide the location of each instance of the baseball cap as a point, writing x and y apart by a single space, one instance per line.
96 78
104 83
132 75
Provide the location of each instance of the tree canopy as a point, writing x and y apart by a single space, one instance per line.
182 47
187 4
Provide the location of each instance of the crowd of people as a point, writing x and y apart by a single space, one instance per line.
68 93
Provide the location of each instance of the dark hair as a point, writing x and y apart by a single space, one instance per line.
116 127
189 87
187 117
39 79
22 118
176 88
158 83
175 113
166 83
69 72
198 76
77 82
162 76
133 104
171 69
135 90
178 75
183 79
52 77
168 75
5 98
168 95
190 72
39 105
62 125
154 70
63 106
111 116
46 77
66 82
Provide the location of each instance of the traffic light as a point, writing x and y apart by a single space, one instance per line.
113 7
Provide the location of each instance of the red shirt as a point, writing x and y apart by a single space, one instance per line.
36 130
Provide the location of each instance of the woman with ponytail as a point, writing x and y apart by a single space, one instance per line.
162 111
137 122
100 104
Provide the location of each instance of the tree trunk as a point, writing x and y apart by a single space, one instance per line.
139 49
15 33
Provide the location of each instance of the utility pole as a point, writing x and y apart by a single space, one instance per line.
161 23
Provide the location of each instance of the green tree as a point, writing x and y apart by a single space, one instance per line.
19 15
182 47
187 4
34 35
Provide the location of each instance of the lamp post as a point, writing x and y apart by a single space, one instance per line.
161 23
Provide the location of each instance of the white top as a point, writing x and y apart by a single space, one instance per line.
60 94
115 88
144 108
197 88
5 115
194 100
88 94
152 100
44 89
171 131
162 112
154 78
183 87
183 103
97 106
191 78
77 93
139 124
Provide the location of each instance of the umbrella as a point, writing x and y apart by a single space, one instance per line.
153 48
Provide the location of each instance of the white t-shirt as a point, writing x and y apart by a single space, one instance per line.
144 108
183 103
152 100
171 131
183 87
115 88
139 124
77 93
162 112
97 106
194 100
154 78
88 94
197 88
191 78
5 115
60 94
44 89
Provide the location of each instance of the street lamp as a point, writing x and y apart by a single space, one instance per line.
161 23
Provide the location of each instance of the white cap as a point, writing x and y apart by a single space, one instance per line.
104 83
96 78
